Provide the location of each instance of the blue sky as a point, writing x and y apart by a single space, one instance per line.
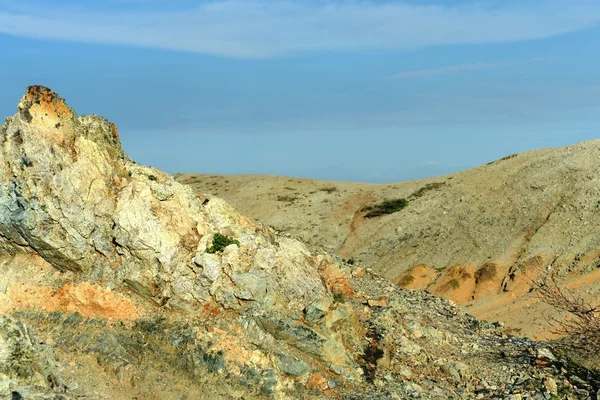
375 91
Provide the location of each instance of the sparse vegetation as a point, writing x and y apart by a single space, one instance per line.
329 189
451 285
428 187
287 199
508 157
581 324
384 208
220 242
339 297
487 272
406 280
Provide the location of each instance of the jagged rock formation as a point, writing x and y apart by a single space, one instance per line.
113 265
68 192
475 237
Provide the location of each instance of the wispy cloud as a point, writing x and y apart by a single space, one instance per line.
261 28
421 73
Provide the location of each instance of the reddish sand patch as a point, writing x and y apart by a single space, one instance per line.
418 277
524 313
86 299
348 209
464 283
456 283
488 280
585 280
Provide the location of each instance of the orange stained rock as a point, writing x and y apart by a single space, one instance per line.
40 102
115 131
335 279
212 310
232 346
358 272
246 223
317 382
380 302
89 300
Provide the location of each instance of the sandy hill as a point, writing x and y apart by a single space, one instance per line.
473 237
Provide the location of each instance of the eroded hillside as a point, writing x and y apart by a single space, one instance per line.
477 237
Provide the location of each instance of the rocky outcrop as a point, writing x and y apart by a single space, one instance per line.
146 290
69 193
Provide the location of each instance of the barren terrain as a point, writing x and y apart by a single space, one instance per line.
476 237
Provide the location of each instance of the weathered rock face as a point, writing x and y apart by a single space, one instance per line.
69 193
120 275
50 159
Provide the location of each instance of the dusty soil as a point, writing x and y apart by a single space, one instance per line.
476 237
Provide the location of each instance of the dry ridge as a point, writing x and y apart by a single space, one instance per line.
476 237
120 283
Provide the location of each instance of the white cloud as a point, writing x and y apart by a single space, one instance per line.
261 28
421 73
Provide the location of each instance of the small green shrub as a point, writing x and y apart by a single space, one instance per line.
450 285
425 189
384 208
454 284
338 297
220 242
